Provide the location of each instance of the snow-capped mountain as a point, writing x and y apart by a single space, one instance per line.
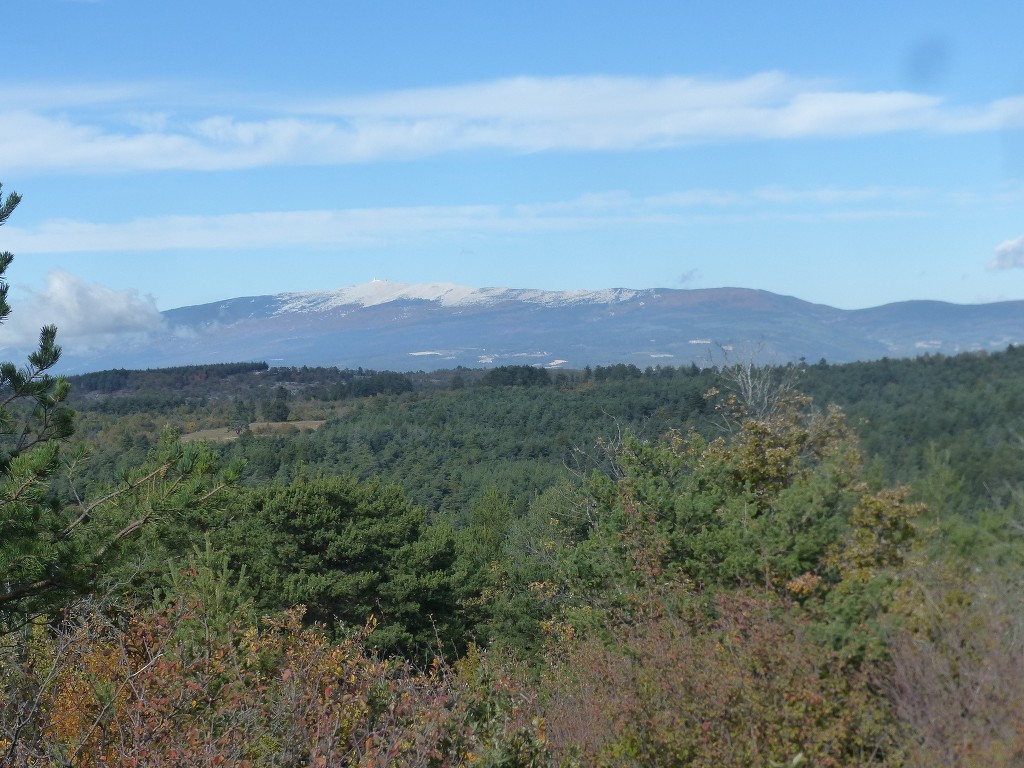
445 294
391 325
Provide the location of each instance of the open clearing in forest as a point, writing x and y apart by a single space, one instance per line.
223 434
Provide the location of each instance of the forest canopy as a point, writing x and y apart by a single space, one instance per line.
741 565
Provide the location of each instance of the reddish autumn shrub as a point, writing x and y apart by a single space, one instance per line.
156 689
744 687
958 670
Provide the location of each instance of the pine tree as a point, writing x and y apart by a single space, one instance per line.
33 419
52 549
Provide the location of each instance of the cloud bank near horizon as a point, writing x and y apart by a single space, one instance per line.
90 315
115 128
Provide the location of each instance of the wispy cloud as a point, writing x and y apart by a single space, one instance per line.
1009 255
272 229
117 128
362 227
833 195
90 314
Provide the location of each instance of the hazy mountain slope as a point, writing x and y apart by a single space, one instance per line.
408 327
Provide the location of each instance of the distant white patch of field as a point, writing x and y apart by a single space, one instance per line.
932 344
556 363
417 354
664 354
700 341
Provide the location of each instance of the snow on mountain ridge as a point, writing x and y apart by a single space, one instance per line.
446 294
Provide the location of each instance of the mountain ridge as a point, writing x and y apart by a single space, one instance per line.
402 326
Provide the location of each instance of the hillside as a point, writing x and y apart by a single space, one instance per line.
395 326
589 563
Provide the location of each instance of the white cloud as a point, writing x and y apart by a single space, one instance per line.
832 195
362 227
89 314
111 128
1009 255
353 227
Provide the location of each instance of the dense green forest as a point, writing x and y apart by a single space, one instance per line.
446 436
740 565
736 565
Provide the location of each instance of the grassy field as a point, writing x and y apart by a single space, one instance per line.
223 434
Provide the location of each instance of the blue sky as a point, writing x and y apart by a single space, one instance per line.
178 153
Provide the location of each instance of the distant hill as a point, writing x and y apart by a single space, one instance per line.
389 325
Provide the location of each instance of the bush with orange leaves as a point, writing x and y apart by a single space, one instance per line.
154 689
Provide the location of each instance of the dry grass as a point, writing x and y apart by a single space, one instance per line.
223 434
